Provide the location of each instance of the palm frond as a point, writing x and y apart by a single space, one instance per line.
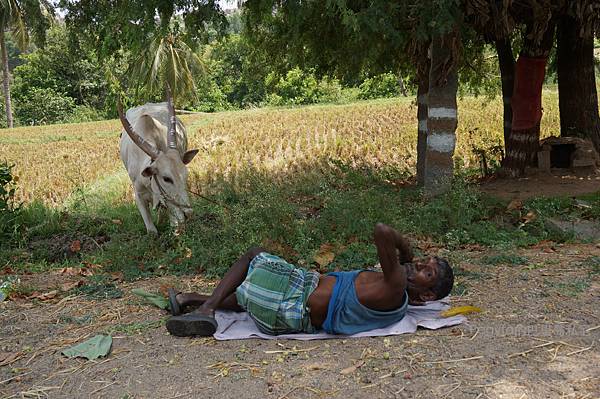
11 17
167 59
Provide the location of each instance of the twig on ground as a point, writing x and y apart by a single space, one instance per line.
454 360
555 352
474 335
103 387
38 392
532 349
16 376
288 392
392 373
292 350
580 350
592 329
458 384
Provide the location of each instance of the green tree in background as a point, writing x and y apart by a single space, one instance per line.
351 39
20 17
159 38
63 70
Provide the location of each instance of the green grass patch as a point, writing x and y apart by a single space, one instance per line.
506 259
292 217
574 287
99 287
593 263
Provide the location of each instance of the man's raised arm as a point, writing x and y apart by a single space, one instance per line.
392 250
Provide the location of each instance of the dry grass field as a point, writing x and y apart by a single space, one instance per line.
54 161
308 184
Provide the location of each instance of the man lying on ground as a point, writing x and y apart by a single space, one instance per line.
283 299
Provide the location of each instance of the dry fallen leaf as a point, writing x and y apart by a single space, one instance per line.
75 246
7 358
514 205
43 297
116 276
70 285
278 248
325 255
529 217
76 271
164 289
316 366
353 368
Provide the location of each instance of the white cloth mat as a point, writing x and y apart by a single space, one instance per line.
234 325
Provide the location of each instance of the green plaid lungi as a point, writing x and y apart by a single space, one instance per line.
275 294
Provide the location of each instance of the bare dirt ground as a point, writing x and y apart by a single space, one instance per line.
538 337
560 182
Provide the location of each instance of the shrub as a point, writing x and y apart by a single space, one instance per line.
300 87
210 97
9 210
384 85
42 106
84 113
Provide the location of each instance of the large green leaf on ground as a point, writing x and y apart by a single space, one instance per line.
93 348
155 299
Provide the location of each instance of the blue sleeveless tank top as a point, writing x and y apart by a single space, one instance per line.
346 315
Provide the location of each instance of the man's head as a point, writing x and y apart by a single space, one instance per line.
429 279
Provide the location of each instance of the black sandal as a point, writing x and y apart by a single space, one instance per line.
191 324
173 304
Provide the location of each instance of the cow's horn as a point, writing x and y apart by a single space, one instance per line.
136 138
172 131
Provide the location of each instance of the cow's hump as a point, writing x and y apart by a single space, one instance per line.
158 111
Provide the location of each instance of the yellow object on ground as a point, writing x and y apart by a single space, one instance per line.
460 310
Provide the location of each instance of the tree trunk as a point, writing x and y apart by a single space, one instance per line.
577 96
507 72
422 94
402 86
523 143
6 80
441 114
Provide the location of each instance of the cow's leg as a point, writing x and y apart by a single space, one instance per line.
144 208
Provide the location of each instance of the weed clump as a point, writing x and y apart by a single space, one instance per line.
9 208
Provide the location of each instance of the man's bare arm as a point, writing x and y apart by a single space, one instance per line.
388 242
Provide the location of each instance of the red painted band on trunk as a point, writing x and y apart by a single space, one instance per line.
527 96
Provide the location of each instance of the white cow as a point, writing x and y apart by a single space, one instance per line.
154 152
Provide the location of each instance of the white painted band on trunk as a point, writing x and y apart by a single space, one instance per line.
441 142
516 155
524 138
422 99
442 113
423 125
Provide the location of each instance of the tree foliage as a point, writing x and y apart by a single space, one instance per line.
342 37
383 85
300 87
161 36
63 66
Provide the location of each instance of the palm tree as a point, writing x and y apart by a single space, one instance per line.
13 16
167 62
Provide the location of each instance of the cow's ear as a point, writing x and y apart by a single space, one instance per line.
149 171
188 156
